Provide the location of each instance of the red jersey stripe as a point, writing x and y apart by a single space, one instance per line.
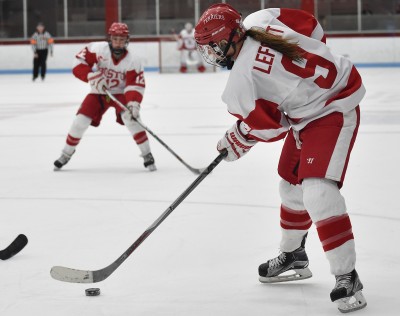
353 84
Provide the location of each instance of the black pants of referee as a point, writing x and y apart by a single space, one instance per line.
40 63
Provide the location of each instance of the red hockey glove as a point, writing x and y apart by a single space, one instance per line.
97 82
235 142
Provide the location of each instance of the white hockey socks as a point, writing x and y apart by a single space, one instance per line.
327 209
76 131
139 135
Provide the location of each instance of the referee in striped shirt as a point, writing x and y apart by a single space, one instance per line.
42 43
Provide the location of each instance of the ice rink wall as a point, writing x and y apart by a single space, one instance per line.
369 51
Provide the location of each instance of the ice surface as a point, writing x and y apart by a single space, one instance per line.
203 259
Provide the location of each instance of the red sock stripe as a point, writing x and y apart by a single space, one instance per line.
140 137
335 231
72 141
291 219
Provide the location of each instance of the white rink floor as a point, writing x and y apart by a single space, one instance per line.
203 259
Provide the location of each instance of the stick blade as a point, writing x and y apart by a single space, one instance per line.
71 275
16 246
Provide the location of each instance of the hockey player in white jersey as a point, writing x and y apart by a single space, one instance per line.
187 47
118 71
286 83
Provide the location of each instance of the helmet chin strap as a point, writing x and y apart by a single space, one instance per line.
228 62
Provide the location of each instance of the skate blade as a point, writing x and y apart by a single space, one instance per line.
151 167
352 303
299 274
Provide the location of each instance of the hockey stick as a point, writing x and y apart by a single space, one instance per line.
16 246
123 107
87 276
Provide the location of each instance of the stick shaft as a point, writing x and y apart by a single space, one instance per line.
88 276
123 107
169 210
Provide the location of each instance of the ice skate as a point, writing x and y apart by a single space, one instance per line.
62 161
347 292
149 162
296 261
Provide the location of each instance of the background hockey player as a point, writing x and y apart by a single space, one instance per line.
285 82
122 74
187 47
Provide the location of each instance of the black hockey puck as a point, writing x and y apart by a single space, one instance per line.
92 291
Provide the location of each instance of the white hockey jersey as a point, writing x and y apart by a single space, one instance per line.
272 93
123 76
186 40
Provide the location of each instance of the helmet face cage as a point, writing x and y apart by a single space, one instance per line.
126 40
215 54
118 51
212 54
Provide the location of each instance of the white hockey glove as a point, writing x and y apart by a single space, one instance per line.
97 81
132 113
235 142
